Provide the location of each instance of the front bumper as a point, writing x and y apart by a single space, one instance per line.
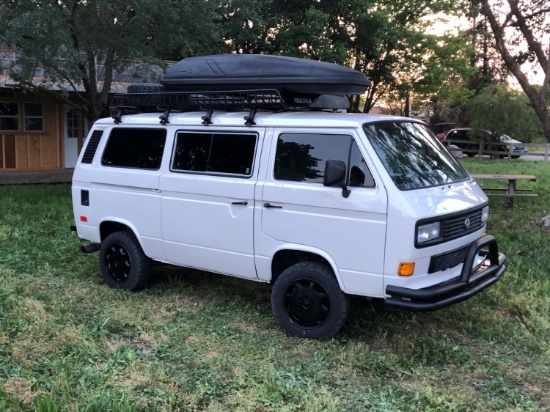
471 281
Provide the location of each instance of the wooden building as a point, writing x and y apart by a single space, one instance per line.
38 132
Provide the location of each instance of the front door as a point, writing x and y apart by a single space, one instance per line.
74 135
298 210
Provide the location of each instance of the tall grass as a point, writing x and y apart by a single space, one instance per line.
198 341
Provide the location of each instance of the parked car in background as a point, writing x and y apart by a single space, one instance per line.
441 129
516 146
501 146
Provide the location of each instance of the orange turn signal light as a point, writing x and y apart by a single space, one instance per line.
406 269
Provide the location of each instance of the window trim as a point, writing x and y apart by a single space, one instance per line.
214 132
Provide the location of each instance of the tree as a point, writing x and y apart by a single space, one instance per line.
83 43
519 27
501 110
385 39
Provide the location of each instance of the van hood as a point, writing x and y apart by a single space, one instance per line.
445 199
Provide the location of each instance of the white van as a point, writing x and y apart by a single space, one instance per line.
320 204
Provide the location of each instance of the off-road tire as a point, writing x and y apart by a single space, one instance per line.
307 301
123 263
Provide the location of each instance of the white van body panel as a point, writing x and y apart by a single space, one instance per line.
408 207
351 230
208 220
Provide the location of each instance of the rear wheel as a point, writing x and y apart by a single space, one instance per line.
307 301
123 263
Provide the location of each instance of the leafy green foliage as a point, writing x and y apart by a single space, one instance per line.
83 43
503 110
385 40
199 341
519 29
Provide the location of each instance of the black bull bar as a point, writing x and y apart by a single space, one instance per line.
471 281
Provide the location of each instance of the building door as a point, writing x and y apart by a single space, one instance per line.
75 131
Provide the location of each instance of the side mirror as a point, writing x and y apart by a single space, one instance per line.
335 175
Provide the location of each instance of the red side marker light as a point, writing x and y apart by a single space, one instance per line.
83 218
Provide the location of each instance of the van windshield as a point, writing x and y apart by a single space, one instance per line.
412 155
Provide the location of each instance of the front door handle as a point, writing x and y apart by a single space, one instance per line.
269 205
240 203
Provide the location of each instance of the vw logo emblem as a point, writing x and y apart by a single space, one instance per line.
467 223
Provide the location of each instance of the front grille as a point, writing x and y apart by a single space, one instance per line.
456 226
453 226
448 259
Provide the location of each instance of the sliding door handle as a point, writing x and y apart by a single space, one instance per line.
269 205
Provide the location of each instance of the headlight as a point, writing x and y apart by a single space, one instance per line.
484 214
428 232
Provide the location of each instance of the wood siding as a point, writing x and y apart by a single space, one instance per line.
23 150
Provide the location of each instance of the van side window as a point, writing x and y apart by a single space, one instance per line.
301 157
359 173
137 148
226 153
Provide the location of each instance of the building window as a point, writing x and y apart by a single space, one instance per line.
9 116
72 124
34 117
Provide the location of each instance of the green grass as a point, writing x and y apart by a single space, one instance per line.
197 341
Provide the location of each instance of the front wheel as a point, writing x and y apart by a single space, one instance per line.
307 301
123 263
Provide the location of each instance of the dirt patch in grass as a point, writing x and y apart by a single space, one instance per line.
21 389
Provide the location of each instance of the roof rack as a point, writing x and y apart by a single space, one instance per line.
252 100
245 82
270 99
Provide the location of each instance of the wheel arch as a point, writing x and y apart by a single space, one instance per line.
292 254
109 226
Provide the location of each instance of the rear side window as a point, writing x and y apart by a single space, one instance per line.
136 148
301 157
224 153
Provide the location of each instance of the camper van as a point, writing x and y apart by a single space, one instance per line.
261 176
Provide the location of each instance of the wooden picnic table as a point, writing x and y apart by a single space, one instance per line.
511 191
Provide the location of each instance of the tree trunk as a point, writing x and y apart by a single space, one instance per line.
538 101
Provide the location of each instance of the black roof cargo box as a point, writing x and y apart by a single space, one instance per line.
254 71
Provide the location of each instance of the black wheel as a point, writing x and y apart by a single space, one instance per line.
307 301
123 263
